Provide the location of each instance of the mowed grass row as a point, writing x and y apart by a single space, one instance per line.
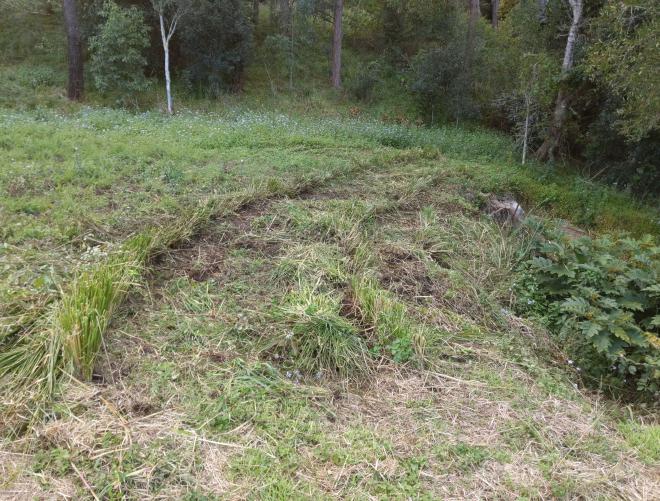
75 184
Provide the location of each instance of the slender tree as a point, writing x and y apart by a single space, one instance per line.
547 150
337 36
474 11
494 12
175 11
76 82
285 14
543 11
255 12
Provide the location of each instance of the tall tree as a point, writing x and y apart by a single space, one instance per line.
255 12
76 82
543 11
547 150
285 14
175 10
337 35
494 12
474 11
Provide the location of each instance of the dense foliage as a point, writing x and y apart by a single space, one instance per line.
601 297
117 51
215 45
431 61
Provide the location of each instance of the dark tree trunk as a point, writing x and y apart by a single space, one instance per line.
255 12
494 12
337 36
548 149
76 82
474 11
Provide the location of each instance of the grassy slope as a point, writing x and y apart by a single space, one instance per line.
188 401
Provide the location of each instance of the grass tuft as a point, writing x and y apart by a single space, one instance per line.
315 335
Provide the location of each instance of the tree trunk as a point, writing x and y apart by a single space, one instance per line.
255 12
547 150
271 13
474 11
76 81
494 12
526 134
543 9
285 15
337 36
166 50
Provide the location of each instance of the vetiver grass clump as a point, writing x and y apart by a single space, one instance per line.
394 331
315 335
68 339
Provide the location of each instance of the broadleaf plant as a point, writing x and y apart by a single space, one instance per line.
601 298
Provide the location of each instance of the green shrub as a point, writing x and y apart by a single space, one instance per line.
215 42
118 62
602 299
362 85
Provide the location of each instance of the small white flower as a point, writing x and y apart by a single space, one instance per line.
570 362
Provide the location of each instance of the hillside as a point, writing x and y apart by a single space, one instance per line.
201 387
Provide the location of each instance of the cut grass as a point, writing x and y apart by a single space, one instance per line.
191 400
67 342
192 406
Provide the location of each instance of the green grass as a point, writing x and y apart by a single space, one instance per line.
191 394
645 438
316 337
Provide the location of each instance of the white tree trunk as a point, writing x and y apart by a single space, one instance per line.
166 49
337 35
547 149
543 9
526 135
576 7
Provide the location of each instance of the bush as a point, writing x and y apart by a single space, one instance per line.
362 86
602 299
216 40
118 62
